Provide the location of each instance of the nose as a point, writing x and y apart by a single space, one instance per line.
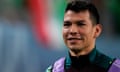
73 30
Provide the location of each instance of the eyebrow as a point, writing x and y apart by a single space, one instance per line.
67 22
78 21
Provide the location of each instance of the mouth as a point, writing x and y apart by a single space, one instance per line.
74 38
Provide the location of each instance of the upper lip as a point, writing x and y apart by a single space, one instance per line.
74 38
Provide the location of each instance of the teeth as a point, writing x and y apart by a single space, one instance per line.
73 38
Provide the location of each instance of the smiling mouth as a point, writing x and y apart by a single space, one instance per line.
74 39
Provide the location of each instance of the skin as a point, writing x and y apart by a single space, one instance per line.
80 32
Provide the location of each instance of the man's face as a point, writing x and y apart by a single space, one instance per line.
78 31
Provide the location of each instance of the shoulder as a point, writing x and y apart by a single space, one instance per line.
115 67
59 64
103 60
59 61
49 69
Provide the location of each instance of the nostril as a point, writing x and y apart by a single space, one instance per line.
73 33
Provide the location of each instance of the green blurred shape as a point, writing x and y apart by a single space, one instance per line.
114 7
19 3
59 8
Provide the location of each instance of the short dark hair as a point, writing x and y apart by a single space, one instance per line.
78 5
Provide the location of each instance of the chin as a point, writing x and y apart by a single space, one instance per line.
75 48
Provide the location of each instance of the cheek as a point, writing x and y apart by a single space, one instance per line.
87 34
64 32
93 33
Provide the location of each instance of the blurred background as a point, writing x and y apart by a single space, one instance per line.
30 33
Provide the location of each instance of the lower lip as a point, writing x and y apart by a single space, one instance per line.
73 40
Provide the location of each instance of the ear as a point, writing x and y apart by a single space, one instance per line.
98 30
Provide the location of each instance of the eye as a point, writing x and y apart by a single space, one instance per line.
81 24
67 24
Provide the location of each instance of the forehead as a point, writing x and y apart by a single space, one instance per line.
71 15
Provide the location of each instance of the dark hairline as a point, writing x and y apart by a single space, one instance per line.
79 6
92 18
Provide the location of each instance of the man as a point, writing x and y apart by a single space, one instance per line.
80 29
